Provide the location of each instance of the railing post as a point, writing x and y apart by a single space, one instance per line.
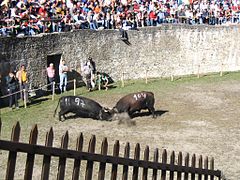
74 87
25 98
53 89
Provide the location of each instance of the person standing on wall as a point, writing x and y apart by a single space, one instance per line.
51 74
23 82
12 84
92 67
63 69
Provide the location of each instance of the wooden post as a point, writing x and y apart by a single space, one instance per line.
198 73
221 72
74 87
122 79
146 78
53 90
25 98
99 82
172 74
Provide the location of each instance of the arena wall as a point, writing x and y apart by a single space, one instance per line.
161 51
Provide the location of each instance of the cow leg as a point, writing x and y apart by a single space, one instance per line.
152 110
62 113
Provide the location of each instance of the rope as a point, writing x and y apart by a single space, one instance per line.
32 90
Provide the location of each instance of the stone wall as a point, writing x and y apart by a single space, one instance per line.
162 51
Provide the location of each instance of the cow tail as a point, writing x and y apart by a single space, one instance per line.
57 107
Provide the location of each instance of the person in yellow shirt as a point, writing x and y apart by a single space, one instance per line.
23 82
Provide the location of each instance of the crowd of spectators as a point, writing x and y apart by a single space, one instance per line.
31 17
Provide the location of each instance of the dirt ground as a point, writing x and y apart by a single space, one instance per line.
200 118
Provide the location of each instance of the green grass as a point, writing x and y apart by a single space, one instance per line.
40 112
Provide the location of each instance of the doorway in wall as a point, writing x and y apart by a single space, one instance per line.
55 59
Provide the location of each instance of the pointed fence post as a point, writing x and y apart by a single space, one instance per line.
91 149
155 159
146 158
77 162
172 159
115 166
179 174
187 165
12 156
102 167
164 161
126 155
200 165
62 160
136 157
46 158
30 157
212 168
193 166
206 167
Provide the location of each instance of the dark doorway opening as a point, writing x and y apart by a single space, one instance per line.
55 59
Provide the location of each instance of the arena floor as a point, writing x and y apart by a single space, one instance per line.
195 118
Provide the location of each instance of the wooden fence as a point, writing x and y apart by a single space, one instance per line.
130 167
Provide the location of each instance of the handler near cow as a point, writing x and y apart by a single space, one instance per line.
88 108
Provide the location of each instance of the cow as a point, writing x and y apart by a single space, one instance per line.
82 107
135 102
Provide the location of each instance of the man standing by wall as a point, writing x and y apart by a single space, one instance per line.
63 69
51 74
12 84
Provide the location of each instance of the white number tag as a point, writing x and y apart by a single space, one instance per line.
139 96
79 102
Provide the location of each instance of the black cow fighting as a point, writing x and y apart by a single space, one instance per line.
82 107
134 102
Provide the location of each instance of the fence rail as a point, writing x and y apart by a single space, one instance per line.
168 170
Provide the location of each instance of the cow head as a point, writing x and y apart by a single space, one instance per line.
105 114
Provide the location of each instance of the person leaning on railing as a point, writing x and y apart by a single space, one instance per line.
23 82
12 84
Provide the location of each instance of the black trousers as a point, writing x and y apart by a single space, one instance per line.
13 99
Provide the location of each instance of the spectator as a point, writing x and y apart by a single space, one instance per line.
102 80
86 69
12 85
51 74
63 69
23 83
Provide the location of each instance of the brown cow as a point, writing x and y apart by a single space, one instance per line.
135 102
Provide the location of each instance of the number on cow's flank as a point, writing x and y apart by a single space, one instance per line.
79 102
139 96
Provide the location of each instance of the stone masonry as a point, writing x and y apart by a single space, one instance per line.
161 51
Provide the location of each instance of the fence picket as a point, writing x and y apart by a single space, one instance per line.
179 174
146 158
212 168
172 159
91 149
77 162
136 157
193 166
164 161
200 166
102 167
155 159
62 160
46 158
206 167
30 157
126 155
186 165
12 156
115 166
